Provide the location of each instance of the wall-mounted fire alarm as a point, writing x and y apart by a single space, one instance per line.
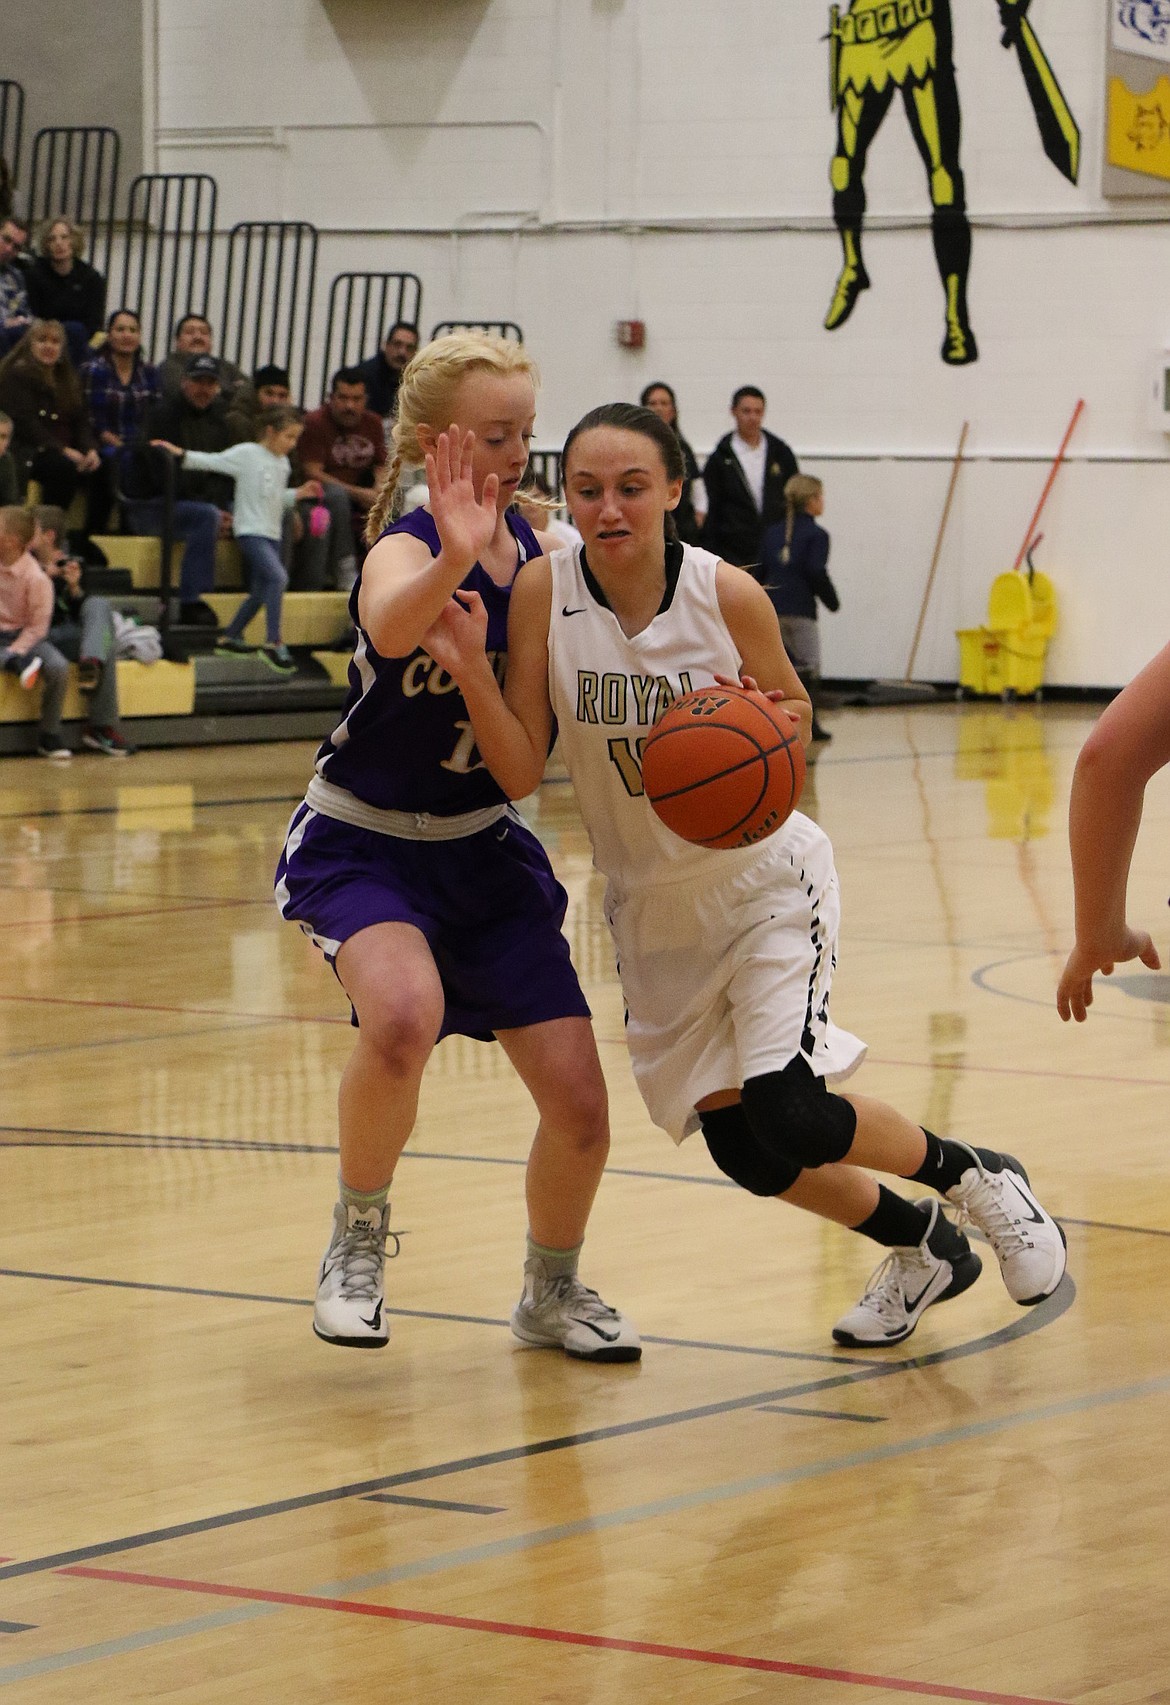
631 334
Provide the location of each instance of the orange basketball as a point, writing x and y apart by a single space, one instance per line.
723 767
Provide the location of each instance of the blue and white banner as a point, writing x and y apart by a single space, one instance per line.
1142 26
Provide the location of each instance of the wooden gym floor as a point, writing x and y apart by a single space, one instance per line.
201 1502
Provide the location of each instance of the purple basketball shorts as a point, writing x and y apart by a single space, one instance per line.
488 904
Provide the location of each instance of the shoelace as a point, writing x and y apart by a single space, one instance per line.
885 1291
568 1291
983 1207
362 1254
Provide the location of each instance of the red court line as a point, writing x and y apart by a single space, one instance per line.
116 917
185 1011
564 1637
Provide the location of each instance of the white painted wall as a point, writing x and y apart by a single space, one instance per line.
569 163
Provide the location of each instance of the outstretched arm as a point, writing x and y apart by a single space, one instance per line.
1129 744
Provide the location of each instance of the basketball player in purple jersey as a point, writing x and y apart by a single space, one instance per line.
726 958
436 906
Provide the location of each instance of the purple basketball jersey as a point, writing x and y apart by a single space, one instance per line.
405 740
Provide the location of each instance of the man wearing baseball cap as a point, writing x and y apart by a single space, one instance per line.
195 420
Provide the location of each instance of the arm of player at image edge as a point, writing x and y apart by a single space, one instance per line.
513 728
765 666
1129 744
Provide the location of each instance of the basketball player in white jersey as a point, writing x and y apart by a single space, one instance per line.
725 957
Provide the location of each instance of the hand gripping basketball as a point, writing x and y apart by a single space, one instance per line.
724 767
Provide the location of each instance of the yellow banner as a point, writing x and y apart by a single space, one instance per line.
1139 128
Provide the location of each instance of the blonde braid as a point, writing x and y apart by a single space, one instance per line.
426 396
382 509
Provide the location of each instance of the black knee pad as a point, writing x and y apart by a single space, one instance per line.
738 1152
795 1111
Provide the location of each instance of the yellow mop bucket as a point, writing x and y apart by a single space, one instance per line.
1005 659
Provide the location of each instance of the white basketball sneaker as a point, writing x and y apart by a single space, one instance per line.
908 1281
350 1306
1028 1243
562 1313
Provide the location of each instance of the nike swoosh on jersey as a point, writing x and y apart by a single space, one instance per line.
565 611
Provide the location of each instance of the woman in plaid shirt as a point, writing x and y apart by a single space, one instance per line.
119 389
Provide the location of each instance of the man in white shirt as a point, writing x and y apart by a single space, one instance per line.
745 477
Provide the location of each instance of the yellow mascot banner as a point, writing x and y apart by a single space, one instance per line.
1139 128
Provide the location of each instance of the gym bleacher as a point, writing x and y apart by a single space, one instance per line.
163 256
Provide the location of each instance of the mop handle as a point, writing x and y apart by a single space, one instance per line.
956 464
1050 482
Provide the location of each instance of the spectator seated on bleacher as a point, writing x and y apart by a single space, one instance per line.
120 389
15 310
10 492
194 336
344 446
53 441
195 420
383 372
62 286
82 630
26 610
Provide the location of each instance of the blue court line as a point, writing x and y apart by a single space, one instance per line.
146 1141
16 1627
437 1504
630 1516
836 1361
1044 1314
818 1414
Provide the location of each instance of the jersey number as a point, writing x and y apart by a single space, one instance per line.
465 757
628 758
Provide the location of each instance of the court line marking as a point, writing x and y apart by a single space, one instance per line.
836 1361
1043 1315
566 1637
436 1504
818 1414
133 810
154 1037
119 917
611 1041
631 1515
982 972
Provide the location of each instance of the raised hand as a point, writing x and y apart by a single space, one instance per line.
465 523
1074 996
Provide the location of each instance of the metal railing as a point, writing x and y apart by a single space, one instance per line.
166 265
362 308
75 173
269 281
498 328
11 125
546 465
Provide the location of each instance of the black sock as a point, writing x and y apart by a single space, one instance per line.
895 1223
946 1162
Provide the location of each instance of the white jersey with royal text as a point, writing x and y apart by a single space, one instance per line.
608 689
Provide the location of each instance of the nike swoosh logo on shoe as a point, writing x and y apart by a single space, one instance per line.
912 1303
375 1322
606 1337
1037 1214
